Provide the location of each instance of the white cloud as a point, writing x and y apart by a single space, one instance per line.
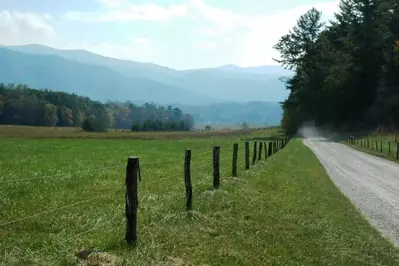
143 41
117 10
23 28
111 3
251 38
233 37
223 20
206 45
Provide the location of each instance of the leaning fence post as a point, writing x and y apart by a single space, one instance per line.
132 170
246 155
216 170
187 180
235 155
260 151
254 153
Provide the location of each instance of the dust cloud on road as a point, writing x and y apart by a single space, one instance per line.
371 183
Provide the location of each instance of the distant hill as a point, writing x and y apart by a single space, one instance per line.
95 81
226 83
254 113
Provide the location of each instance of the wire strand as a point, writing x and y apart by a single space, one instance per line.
55 209
50 177
159 162
160 179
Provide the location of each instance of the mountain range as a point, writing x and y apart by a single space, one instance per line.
104 78
124 79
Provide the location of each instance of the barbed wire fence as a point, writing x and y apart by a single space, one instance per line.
133 177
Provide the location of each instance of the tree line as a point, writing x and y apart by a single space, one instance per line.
346 70
21 105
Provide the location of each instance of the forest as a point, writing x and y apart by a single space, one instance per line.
21 105
346 70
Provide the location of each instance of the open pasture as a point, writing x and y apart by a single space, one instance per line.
60 196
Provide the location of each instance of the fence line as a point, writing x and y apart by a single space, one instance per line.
133 171
56 176
376 146
131 204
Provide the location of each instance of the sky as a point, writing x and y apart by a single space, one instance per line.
181 34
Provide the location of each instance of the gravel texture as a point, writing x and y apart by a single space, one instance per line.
370 182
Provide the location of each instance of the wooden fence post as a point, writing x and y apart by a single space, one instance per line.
260 151
376 145
254 153
381 146
368 144
216 169
246 155
389 147
270 149
397 151
131 197
235 155
265 144
187 180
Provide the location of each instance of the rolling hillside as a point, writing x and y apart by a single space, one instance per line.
95 81
219 84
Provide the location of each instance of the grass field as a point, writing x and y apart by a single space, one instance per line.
283 211
13 131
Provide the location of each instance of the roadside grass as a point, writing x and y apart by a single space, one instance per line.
386 146
15 131
283 211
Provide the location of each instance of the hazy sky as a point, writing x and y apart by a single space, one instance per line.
176 33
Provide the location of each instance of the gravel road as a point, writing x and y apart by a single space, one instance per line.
370 182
